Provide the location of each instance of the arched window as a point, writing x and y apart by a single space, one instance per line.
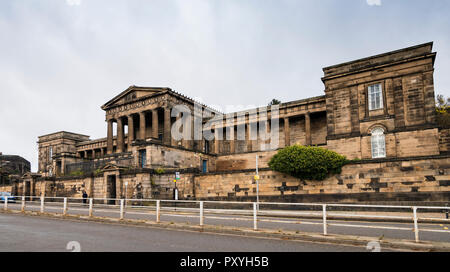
378 143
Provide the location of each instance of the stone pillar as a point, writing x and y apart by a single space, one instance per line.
142 128
187 133
102 152
216 140
110 137
248 137
268 135
120 143
130 131
155 124
287 132
308 128
85 154
93 153
232 140
32 186
167 139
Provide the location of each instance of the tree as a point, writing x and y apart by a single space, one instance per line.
274 102
307 162
443 111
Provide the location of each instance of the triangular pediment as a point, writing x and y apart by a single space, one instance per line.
112 167
133 93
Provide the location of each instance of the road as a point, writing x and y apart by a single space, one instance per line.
396 230
40 234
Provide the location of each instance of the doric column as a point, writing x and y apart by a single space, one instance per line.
187 132
248 137
167 139
308 128
110 137
287 132
231 139
142 128
85 154
155 125
93 153
120 143
130 131
216 140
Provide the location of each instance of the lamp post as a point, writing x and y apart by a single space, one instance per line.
126 189
257 183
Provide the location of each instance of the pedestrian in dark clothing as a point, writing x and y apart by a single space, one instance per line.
85 196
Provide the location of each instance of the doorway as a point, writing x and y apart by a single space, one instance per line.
111 189
204 166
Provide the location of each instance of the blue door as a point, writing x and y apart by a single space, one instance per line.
205 166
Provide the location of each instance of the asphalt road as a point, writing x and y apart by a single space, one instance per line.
388 230
38 234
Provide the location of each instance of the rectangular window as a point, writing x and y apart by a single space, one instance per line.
142 158
50 153
375 94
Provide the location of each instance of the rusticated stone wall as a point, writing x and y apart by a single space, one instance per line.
428 178
413 179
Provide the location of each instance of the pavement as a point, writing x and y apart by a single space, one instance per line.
345 241
21 233
350 226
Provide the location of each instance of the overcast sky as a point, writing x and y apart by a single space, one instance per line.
60 60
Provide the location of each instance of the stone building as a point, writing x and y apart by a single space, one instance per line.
379 109
13 164
12 168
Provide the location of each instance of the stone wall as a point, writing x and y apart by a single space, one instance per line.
444 140
170 157
243 161
382 180
402 144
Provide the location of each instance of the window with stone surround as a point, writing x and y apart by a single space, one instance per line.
50 153
378 143
375 94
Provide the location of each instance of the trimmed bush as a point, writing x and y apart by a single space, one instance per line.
307 162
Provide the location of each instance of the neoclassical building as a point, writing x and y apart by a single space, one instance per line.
377 109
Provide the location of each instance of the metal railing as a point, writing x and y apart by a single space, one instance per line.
263 212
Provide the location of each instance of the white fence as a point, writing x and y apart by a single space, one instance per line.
268 212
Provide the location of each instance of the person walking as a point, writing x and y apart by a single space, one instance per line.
85 196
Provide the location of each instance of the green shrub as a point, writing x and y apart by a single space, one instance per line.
77 173
98 172
159 171
307 162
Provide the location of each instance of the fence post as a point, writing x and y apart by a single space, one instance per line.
22 208
121 208
324 212
201 213
416 225
255 216
5 207
42 204
158 209
65 206
91 210
446 211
